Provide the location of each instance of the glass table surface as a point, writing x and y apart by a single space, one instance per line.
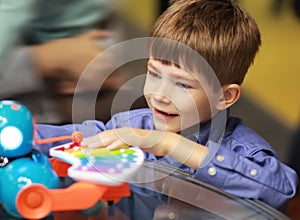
163 192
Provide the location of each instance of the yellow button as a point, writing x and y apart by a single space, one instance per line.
220 158
253 172
212 171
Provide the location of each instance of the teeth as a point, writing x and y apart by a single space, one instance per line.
171 114
165 113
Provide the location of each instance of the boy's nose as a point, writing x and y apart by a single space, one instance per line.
161 98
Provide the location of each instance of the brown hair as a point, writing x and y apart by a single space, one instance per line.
219 30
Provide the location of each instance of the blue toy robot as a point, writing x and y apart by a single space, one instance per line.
20 164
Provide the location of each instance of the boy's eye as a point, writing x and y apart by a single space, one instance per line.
182 85
155 75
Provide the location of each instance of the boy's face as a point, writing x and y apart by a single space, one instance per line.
175 97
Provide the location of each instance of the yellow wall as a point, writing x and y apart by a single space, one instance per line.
140 13
274 80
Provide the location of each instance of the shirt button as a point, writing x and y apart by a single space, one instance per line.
253 172
212 171
220 158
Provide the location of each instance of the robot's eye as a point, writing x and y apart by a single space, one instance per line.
11 138
3 161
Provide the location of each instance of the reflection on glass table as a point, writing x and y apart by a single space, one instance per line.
163 192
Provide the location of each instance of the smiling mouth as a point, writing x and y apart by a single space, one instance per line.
164 114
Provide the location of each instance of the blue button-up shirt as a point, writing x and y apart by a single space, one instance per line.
244 164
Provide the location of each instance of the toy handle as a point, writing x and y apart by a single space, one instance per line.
76 138
82 194
37 201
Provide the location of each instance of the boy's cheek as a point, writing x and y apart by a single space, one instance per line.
189 117
147 97
149 87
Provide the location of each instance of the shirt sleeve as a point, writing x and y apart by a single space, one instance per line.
257 175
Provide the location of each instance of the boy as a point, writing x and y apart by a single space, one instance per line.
186 124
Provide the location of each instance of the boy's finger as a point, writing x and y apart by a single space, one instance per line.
89 140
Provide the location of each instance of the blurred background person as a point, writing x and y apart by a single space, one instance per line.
46 45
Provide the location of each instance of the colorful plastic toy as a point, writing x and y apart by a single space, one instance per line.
100 165
100 174
20 165
28 183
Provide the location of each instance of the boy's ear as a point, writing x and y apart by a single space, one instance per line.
231 94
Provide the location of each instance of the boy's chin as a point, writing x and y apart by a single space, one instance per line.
167 127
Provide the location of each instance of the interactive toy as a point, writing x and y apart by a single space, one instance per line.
28 183
20 165
100 165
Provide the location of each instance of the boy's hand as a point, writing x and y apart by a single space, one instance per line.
149 140
159 143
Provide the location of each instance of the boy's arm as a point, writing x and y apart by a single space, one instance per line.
156 142
257 176
181 149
